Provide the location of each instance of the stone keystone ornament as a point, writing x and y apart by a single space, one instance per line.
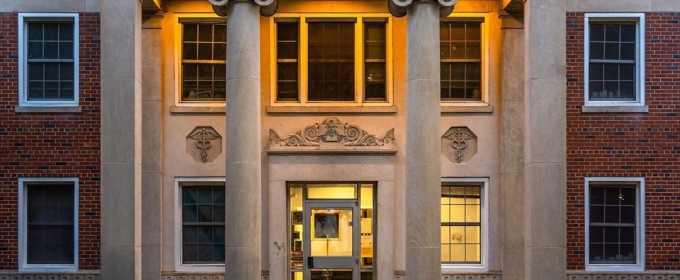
398 8
268 7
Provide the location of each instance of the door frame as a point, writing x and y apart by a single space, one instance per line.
332 262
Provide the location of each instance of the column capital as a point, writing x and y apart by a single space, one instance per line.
267 7
399 8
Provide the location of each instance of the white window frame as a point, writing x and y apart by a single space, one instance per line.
639 183
483 266
180 18
639 19
24 183
24 18
484 83
303 60
179 183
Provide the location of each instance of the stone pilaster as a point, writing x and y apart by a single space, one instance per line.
512 129
152 126
243 194
545 139
121 107
423 173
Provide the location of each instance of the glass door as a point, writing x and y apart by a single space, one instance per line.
333 240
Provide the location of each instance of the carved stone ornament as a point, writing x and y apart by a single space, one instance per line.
332 135
399 8
459 144
204 144
267 7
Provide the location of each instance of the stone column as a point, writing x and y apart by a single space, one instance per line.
243 195
512 135
121 107
423 148
545 139
152 151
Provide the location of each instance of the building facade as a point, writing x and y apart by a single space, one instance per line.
307 139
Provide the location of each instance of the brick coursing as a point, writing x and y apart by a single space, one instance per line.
49 145
629 144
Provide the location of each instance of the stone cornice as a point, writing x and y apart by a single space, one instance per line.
399 8
267 7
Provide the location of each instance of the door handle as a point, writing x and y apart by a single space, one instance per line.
310 262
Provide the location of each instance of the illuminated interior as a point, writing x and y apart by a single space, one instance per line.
331 229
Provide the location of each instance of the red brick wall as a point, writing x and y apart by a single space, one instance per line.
631 144
40 145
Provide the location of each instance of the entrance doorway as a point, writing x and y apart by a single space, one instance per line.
331 231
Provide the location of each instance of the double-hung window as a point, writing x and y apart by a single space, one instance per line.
48 59
201 222
463 223
203 70
462 55
48 224
322 59
615 224
614 59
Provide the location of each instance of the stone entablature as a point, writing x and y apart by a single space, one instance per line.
331 135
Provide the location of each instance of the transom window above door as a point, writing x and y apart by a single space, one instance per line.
331 59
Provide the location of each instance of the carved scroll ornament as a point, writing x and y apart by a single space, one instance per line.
267 7
331 134
398 8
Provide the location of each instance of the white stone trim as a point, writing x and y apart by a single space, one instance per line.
639 19
485 51
358 63
187 181
483 266
23 265
639 183
647 275
24 18
84 275
483 276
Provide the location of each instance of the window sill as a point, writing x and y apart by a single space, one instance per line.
198 109
466 109
64 109
614 109
387 110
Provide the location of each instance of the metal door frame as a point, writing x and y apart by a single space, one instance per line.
308 262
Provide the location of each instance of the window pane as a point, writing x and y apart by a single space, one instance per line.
51 225
613 52
203 224
461 223
204 62
331 52
613 239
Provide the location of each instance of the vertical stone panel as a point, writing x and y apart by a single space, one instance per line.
121 139
151 146
512 167
545 139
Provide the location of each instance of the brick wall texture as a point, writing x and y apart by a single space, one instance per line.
49 145
629 144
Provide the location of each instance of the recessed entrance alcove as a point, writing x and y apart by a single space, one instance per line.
333 199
